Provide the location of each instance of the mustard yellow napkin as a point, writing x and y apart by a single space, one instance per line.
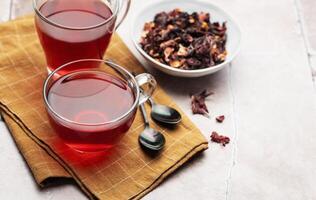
126 172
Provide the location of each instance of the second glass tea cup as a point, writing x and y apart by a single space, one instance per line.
92 107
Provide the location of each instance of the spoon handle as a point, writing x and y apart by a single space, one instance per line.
143 110
151 101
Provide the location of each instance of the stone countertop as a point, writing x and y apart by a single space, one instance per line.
267 94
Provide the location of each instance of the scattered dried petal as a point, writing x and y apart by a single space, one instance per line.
220 119
215 137
198 103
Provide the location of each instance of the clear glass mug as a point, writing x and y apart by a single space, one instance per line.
92 108
77 29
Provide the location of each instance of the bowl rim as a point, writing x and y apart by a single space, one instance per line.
168 67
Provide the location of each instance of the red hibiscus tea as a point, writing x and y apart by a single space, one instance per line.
90 106
73 29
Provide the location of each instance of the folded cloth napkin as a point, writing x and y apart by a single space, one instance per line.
126 172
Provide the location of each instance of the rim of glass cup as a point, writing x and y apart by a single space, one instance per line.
135 104
38 12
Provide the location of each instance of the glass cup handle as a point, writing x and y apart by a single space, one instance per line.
124 6
146 92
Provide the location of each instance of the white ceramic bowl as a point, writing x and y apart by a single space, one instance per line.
217 14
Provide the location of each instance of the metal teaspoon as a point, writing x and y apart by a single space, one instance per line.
150 138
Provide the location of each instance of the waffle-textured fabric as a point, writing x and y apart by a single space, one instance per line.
126 172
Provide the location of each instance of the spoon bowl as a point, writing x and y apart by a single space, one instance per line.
164 114
150 139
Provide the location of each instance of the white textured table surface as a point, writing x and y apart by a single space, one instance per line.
268 96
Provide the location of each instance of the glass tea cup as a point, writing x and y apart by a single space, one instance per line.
70 30
91 108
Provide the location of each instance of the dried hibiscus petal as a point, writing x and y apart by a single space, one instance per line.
204 17
169 43
193 62
176 63
215 137
149 26
186 38
183 51
167 52
198 103
220 119
161 19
